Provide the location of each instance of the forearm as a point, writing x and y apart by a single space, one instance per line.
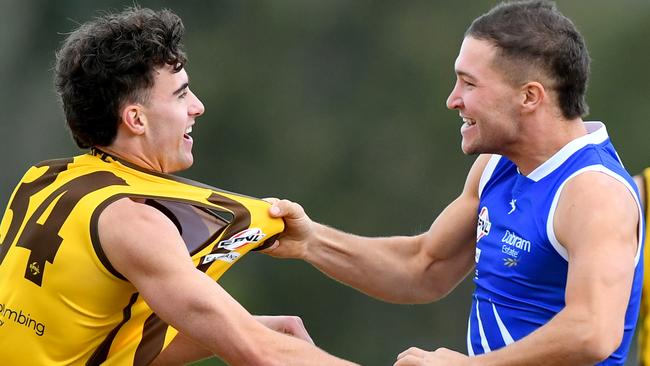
217 323
181 351
571 338
287 350
389 268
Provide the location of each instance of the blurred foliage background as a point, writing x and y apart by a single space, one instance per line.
339 105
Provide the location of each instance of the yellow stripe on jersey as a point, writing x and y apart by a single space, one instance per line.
61 301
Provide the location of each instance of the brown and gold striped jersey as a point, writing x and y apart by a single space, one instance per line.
61 301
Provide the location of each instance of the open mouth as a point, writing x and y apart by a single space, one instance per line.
186 135
469 121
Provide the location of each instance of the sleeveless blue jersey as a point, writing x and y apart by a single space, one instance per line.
521 268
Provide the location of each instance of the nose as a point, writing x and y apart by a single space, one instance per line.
454 101
196 107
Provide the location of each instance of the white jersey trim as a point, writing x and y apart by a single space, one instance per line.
505 334
550 231
596 134
487 172
470 349
481 331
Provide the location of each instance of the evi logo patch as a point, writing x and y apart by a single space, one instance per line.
483 226
252 235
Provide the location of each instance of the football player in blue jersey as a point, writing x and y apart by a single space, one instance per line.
548 223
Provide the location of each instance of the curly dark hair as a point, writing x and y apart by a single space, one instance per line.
110 61
534 38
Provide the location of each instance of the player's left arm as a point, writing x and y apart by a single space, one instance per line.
596 220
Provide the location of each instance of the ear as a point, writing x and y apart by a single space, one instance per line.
532 96
134 119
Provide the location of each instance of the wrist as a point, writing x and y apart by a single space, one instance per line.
323 242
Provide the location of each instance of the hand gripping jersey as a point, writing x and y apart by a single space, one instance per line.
521 268
644 319
61 301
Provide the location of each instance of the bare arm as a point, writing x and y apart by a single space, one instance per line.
183 350
402 269
145 246
600 235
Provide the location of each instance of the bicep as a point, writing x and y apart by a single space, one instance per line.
454 230
145 246
142 244
450 243
597 222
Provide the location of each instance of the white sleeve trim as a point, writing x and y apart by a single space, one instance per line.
550 231
487 172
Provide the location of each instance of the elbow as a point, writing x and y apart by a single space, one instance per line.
600 342
435 286
434 293
422 293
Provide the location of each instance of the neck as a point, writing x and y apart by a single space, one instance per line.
133 158
543 141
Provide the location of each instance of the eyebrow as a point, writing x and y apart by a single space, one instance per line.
179 90
466 74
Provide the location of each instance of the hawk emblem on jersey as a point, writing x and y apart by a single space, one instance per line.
34 268
483 227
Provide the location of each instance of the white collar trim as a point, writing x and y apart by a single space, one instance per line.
596 134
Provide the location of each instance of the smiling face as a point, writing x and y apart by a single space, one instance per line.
485 100
170 111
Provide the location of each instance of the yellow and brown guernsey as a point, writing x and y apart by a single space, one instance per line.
61 301
644 317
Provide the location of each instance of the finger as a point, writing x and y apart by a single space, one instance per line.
413 351
286 209
301 333
271 248
301 330
409 360
275 210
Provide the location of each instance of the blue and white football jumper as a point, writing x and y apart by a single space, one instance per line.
521 267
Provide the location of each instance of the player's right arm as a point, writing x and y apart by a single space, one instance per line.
401 269
145 246
182 350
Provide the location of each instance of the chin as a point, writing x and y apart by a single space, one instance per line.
185 165
468 150
180 166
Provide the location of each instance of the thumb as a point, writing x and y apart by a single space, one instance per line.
275 210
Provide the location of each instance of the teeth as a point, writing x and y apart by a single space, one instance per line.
188 130
470 122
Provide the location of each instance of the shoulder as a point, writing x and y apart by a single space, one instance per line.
598 190
595 205
475 180
130 213
135 236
